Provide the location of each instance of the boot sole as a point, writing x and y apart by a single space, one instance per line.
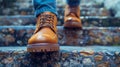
42 47
72 25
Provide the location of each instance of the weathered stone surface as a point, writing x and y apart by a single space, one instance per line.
69 57
19 35
104 64
87 52
98 57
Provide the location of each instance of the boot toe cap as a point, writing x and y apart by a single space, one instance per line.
44 38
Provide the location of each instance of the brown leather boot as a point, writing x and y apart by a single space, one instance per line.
45 36
72 17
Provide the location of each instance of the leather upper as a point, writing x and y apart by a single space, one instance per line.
72 16
46 30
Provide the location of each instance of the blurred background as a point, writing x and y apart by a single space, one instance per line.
88 7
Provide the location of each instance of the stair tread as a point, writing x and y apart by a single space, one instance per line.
67 48
61 27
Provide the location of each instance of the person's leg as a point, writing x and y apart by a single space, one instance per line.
73 2
41 6
72 14
45 35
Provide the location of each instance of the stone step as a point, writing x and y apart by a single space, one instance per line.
87 21
105 36
68 56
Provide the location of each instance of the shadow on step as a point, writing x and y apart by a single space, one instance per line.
44 59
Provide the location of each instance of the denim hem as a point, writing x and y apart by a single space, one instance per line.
39 11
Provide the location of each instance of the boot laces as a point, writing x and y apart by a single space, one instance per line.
45 21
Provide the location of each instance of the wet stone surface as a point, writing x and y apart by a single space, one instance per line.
105 36
64 58
24 59
89 36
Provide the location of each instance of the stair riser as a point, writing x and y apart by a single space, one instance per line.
86 21
18 57
19 35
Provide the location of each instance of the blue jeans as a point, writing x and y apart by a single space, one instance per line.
41 6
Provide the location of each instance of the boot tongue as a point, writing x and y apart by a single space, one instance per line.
72 12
